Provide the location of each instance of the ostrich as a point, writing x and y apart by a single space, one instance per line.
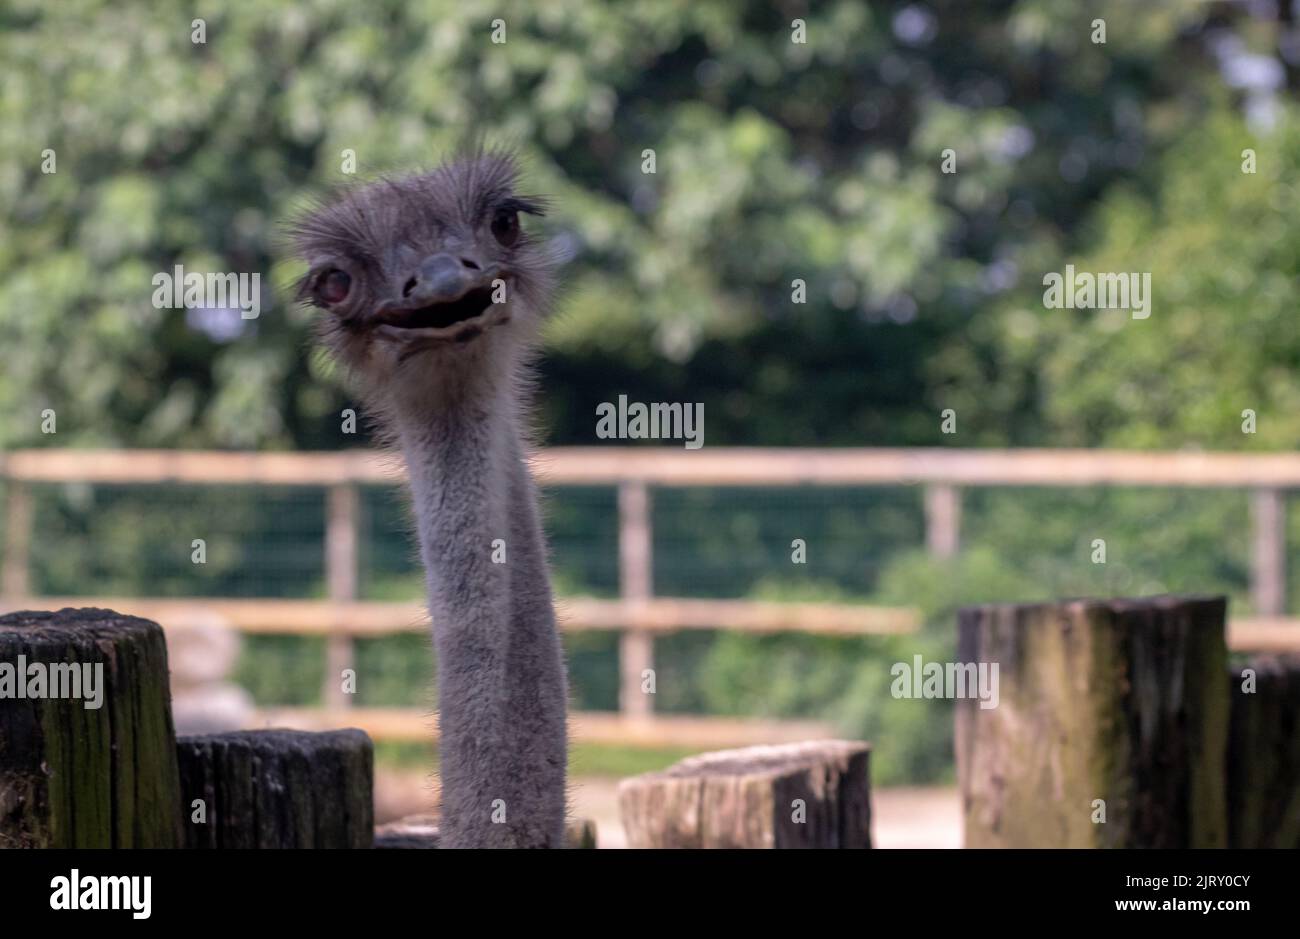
433 297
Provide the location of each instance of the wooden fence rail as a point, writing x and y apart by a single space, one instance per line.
638 614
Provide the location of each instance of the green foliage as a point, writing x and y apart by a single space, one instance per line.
139 541
775 161
1223 250
394 672
618 762
282 670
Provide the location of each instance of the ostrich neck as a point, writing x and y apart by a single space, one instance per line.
501 682
458 462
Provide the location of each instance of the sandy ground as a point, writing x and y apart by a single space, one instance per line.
920 817
908 817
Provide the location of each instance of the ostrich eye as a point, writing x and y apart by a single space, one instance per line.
334 286
505 227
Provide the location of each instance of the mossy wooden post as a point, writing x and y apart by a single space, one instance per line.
278 789
77 775
1123 701
1264 753
800 795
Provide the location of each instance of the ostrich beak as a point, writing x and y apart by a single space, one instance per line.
443 291
443 278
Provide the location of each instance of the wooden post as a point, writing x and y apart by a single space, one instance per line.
1264 753
636 578
1268 552
278 789
15 580
797 795
341 536
88 759
942 519
1114 710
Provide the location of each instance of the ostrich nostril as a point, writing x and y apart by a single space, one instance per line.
410 285
470 263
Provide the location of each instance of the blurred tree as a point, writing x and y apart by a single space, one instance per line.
1222 248
774 161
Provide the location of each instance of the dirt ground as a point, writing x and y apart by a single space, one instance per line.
905 817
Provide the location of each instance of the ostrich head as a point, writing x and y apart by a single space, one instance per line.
427 279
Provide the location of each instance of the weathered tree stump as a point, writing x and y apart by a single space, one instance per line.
421 832
800 795
278 789
1123 701
88 755
1264 754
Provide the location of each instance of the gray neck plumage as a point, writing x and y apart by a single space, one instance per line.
501 681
